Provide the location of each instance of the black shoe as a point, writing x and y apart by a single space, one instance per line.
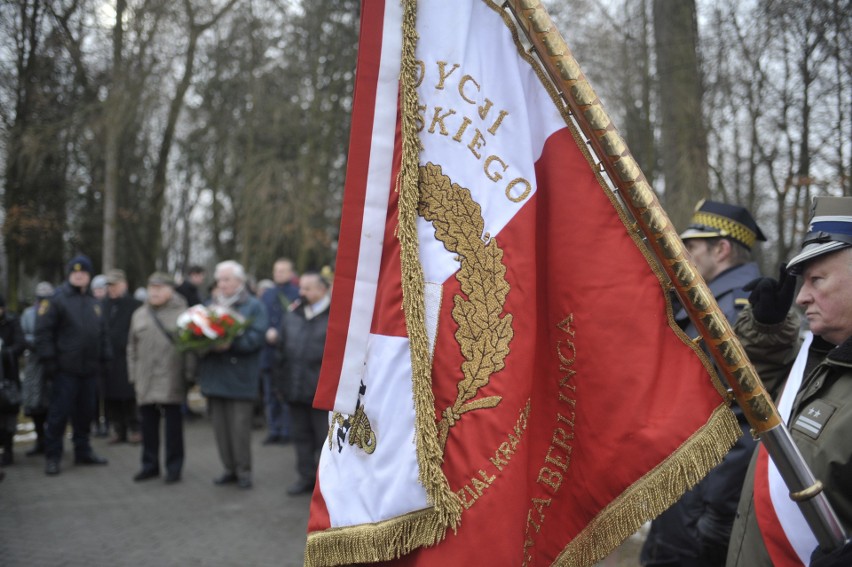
36 450
90 458
244 482
301 486
51 468
284 440
172 478
7 459
225 478
145 475
272 440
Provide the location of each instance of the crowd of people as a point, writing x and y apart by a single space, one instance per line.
91 326
110 362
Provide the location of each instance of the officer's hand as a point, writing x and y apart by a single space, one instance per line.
771 299
840 557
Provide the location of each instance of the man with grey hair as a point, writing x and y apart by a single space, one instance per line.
229 376
816 403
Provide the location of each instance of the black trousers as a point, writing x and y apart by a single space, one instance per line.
150 414
309 431
123 416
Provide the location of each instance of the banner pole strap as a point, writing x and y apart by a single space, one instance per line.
663 240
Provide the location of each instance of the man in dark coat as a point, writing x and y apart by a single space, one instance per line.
72 342
189 287
13 346
119 394
276 300
695 531
300 347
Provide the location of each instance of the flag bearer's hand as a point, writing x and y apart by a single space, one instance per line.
771 299
840 557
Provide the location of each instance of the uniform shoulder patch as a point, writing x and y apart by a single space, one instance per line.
813 418
43 306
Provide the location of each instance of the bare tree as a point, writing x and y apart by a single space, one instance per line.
683 134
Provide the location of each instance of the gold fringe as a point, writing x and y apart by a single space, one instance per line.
370 543
429 452
655 492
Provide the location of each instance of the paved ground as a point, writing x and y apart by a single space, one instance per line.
97 516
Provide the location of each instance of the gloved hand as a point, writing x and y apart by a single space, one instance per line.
771 299
840 557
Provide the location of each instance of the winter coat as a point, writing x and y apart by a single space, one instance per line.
235 373
158 372
300 346
119 311
34 388
697 528
827 384
13 347
276 300
72 332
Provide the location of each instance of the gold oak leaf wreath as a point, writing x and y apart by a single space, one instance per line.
484 331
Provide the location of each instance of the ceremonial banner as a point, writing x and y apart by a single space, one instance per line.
507 384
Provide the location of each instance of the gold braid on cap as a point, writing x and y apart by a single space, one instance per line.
727 227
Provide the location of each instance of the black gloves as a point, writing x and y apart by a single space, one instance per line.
840 557
770 299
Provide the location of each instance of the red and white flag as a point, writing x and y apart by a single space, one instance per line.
508 386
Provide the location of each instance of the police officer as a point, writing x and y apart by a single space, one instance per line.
695 531
72 343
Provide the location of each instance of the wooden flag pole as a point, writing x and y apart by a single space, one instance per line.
663 240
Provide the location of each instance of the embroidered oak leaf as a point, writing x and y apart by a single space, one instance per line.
484 331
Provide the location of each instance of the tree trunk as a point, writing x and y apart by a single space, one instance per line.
683 134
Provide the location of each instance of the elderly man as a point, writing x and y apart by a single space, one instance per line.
695 531
230 376
158 372
72 342
817 399
300 348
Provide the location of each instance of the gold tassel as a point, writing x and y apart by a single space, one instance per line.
655 492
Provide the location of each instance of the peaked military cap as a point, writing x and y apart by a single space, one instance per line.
830 229
714 220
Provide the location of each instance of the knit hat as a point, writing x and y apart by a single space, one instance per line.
80 263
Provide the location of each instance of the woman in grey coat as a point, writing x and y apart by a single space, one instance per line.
159 374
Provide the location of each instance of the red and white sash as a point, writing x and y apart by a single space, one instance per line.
787 536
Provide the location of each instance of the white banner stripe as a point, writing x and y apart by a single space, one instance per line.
375 211
789 516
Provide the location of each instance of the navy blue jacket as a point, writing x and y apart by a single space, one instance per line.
72 332
235 373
